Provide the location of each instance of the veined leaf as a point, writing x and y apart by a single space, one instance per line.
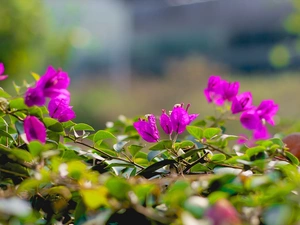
209 133
102 135
162 145
196 132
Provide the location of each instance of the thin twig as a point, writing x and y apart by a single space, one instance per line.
196 162
14 173
109 157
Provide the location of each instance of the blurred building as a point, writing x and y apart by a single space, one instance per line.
117 37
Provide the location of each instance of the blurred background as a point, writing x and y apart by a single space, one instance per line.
134 57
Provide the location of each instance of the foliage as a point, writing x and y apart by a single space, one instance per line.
28 39
78 175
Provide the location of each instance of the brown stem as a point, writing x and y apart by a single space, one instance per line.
109 157
14 173
196 162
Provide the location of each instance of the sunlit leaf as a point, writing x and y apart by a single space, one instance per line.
102 135
255 150
94 198
161 145
133 149
83 126
218 157
53 124
197 132
35 76
209 133
292 158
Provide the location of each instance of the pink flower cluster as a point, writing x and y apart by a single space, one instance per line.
176 121
53 84
252 117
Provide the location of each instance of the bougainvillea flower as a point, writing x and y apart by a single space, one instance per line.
250 119
147 129
229 90
261 133
54 79
34 96
222 213
52 84
267 110
34 129
59 109
2 77
165 122
213 92
219 90
241 103
180 118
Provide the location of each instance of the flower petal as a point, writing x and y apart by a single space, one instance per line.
3 77
1 68
60 110
241 102
34 96
180 119
34 129
250 120
165 123
145 131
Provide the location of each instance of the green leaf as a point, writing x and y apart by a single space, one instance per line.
218 157
17 103
234 159
133 149
118 187
22 154
80 210
53 124
94 198
143 190
196 132
17 87
35 76
162 145
4 94
102 135
129 128
228 137
153 154
190 153
148 172
35 148
255 150
185 145
35 111
199 168
209 133
4 133
76 169
199 123
217 195
118 147
15 167
68 124
294 160
83 126
177 193
19 126
278 141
